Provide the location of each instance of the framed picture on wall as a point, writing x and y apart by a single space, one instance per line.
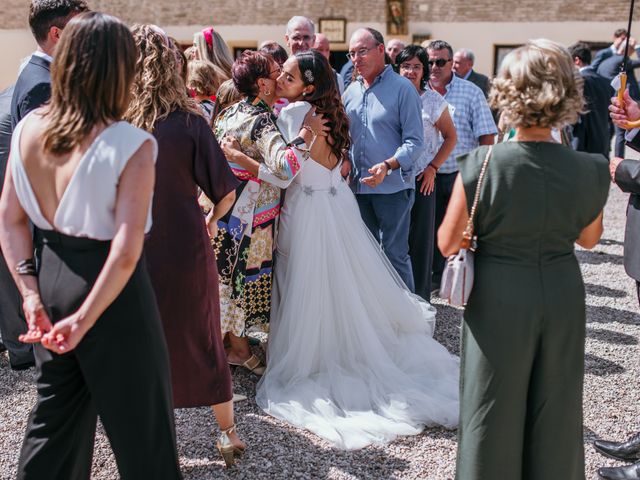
499 52
396 17
334 28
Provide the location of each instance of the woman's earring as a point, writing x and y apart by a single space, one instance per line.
304 94
266 94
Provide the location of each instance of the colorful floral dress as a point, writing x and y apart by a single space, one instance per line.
245 242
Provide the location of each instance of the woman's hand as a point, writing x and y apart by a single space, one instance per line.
66 334
37 319
428 177
212 225
230 147
316 122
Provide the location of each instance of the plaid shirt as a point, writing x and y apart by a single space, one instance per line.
471 116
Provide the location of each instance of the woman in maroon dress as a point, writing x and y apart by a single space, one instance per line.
179 255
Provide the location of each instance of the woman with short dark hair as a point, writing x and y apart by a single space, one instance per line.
439 141
85 180
245 242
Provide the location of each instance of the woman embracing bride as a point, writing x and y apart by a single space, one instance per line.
351 355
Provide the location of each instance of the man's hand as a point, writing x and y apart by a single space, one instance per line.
613 166
378 172
629 111
345 168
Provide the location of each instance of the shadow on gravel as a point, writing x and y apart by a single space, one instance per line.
285 454
607 241
448 321
598 258
610 336
12 382
600 366
601 314
602 291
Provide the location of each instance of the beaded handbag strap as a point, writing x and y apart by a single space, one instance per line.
467 235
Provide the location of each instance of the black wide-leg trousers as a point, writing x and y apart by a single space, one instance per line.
119 371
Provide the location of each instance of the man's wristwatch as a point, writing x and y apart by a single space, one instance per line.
389 167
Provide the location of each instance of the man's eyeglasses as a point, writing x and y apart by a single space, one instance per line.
440 62
361 52
301 38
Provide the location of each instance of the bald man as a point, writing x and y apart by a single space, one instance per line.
323 46
394 47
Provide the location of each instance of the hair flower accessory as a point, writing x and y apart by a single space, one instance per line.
308 75
208 36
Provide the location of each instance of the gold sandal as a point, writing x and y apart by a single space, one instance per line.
253 364
227 449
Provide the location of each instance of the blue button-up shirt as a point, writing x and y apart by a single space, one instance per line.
385 120
471 116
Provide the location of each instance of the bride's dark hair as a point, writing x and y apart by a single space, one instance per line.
315 70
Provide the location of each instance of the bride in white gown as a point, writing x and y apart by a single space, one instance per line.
351 355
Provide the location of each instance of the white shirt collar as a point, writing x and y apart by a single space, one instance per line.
41 54
466 77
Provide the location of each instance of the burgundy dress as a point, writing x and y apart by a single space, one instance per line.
181 261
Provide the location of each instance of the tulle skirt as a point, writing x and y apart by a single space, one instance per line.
351 355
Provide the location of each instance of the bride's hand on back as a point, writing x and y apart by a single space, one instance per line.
317 123
230 146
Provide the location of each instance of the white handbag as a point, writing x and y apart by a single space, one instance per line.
457 278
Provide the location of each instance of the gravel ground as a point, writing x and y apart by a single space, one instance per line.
276 451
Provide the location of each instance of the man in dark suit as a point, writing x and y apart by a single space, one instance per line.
609 69
626 174
47 18
463 61
619 36
592 132
12 321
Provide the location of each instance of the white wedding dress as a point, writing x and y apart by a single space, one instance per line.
350 355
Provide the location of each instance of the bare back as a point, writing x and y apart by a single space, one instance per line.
49 174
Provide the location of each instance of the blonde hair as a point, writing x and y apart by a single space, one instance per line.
538 85
90 79
202 78
219 55
158 88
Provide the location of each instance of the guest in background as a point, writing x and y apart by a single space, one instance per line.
226 96
211 47
385 122
439 141
619 37
393 48
463 61
90 307
245 241
202 81
524 325
300 35
181 57
179 255
474 126
591 133
323 46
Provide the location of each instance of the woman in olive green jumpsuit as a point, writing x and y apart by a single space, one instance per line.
523 335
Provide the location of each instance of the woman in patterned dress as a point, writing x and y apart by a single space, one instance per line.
244 244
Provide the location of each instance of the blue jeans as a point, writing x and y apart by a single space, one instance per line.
388 216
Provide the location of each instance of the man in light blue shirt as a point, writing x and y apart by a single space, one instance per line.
474 126
385 122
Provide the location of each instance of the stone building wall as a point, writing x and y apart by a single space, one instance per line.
13 14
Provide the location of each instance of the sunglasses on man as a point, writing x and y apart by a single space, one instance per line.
440 62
